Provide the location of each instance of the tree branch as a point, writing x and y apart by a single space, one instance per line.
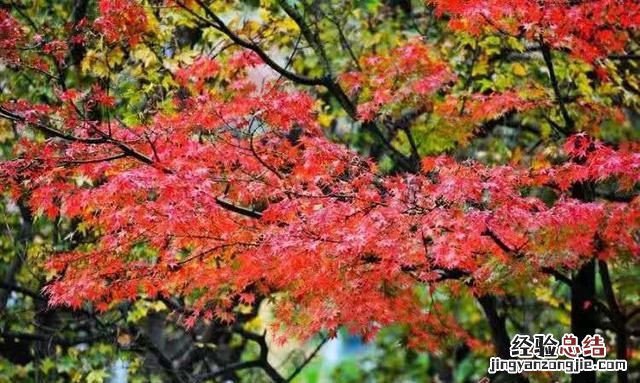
307 360
218 24
105 139
21 290
261 362
497 325
546 54
24 237
8 115
52 338
238 209
617 317
624 57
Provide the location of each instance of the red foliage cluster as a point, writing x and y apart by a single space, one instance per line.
11 34
479 108
589 29
121 20
406 76
17 49
263 203
201 70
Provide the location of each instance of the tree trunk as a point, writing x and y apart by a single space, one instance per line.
500 337
583 319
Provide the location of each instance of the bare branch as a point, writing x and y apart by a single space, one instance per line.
307 360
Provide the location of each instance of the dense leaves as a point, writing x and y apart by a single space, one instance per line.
590 30
165 204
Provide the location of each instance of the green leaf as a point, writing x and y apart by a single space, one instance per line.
97 376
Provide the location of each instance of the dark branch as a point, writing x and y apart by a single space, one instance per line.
218 24
105 139
546 54
22 290
261 362
307 360
238 209
52 338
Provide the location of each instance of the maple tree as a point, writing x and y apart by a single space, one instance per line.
227 186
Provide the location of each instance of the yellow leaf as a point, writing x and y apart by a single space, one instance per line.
93 64
116 57
325 119
481 67
144 54
516 156
255 324
519 70
97 376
